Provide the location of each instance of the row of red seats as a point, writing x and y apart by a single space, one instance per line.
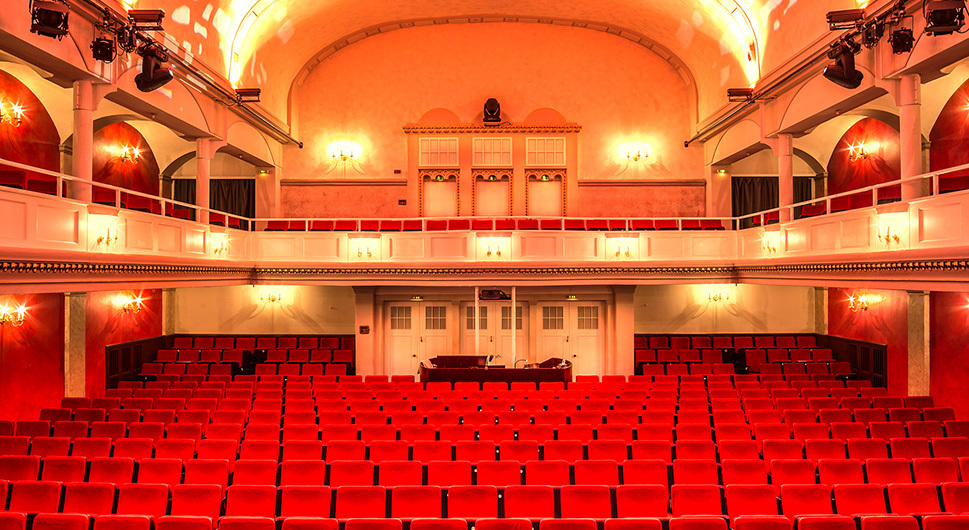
460 225
67 521
783 355
445 473
596 502
739 342
798 368
340 342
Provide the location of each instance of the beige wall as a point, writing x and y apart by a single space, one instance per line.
750 309
239 310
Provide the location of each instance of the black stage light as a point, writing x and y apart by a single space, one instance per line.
492 112
902 40
49 18
843 72
104 49
943 17
153 72
740 95
872 33
248 95
845 19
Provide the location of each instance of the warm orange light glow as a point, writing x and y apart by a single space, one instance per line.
129 303
15 317
11 113
344 150
635 151
863 301
129 153
860 151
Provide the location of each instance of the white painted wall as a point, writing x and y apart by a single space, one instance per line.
239 310
750 309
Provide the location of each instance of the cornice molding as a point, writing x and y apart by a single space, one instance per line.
11 269
478 129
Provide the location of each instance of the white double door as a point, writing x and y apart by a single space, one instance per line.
573 331
417 331
496 331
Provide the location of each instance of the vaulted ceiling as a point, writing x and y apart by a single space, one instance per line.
718 43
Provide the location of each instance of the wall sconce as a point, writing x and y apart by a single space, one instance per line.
14 116
273 297
493 247
344 152
15 317
863 301
365 248
107 238
889 237
635 152
622 248
770 241
130 303
622 252
130 154
220 245
718 297
858 152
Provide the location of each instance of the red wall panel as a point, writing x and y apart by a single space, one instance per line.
950 134
882 165
35 141
109 168
949 346
106 324
885 322
32 357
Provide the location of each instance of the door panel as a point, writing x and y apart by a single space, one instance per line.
572 331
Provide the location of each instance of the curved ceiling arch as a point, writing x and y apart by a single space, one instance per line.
678 65
733 13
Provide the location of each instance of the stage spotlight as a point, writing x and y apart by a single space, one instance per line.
153 72
492 112
104 49
902 40
843 72
146 19
872 33
740 95
248 95
49 18
943 17
845 19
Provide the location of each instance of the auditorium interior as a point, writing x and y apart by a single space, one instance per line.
484 264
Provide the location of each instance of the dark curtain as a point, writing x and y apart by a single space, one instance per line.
756 194
234 196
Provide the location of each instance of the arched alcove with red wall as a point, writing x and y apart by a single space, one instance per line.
34 141
141 175
950 140
882 164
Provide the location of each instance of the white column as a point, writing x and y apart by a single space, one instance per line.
203 161
514 326
75 349
369 361
477 332
83 140
625 329
918 343
785 174
910 133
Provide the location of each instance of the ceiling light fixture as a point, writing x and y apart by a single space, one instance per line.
248 95
153 74
843 72
944 17
845 19
49 18
146 19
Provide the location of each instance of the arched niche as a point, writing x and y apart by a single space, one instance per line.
115 162
440 118
243 139
865 155
950 139
545 117
27 137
